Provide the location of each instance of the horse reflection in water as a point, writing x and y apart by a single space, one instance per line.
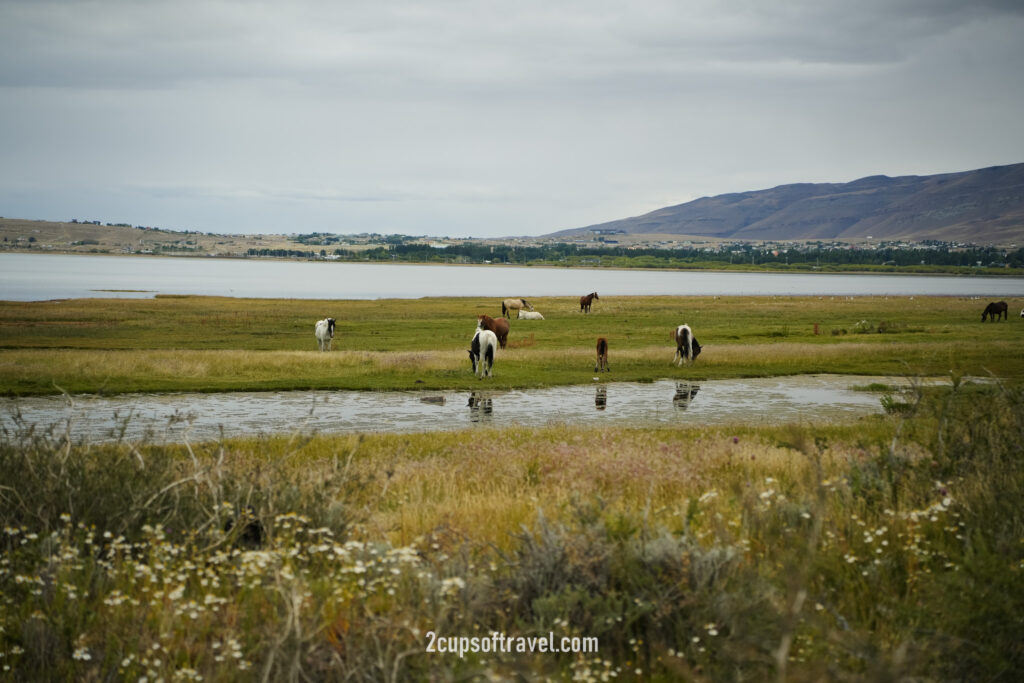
685 392
601 398
480 407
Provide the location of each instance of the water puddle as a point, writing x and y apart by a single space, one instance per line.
197 417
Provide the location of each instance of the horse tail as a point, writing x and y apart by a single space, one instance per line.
503 309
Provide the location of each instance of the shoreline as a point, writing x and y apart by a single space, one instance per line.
988 274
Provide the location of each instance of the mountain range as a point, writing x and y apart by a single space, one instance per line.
984 206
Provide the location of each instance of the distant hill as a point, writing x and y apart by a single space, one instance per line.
985 206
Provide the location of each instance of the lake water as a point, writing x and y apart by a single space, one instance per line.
38 277
200 417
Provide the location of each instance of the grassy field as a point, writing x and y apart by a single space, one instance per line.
215 344
888 549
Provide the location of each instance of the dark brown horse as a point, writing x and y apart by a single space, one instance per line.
585 301
602 355
994 310
499 326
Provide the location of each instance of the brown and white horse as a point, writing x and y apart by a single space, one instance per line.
509 305
586 300
499 326
602 355
687 347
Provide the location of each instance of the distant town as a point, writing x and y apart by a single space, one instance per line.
597 248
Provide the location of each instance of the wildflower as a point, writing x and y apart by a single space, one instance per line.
82 654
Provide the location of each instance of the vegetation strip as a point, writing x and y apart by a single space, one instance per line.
886 550
221 344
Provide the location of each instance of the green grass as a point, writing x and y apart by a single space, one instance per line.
217 344
890 549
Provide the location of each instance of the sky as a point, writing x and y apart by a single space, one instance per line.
485 118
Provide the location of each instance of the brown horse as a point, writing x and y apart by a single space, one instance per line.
585 301
499 326
602 355
994 310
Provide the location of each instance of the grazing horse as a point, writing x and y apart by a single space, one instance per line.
602 355
481 352
687 347
499 326
996 309
585 301
325 333
509 305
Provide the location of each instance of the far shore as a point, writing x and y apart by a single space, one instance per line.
933 271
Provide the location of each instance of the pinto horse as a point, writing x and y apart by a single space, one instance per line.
499 326
995 309
324 331
687 347
585 301
481 352
509 305
602 355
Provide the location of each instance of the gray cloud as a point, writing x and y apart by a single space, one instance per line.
459 117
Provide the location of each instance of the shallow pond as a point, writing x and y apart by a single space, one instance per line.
197 417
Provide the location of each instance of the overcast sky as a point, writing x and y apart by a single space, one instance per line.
485 118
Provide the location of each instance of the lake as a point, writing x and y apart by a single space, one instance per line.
39 277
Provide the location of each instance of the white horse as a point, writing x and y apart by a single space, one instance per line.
324 333
687 347
481 352
530 315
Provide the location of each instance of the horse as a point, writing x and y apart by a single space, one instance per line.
687 347
530 315
996 309
499 326
481 352
602 355
509 305
324 331
585 301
